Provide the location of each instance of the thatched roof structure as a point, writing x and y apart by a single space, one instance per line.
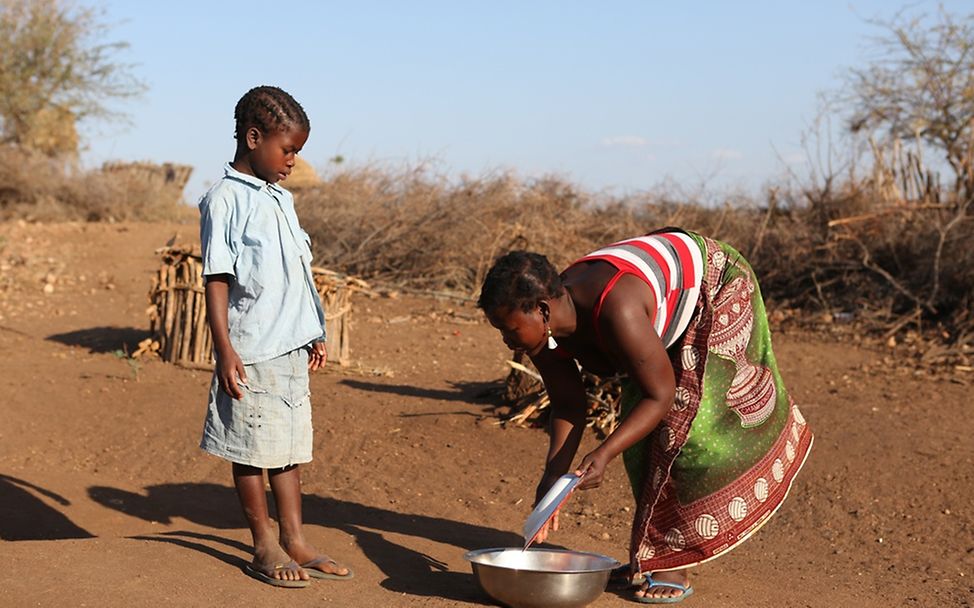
302 175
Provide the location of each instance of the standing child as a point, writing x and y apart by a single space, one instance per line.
268 332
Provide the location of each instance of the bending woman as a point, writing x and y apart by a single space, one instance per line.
711 440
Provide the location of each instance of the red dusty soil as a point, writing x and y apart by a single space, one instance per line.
105 499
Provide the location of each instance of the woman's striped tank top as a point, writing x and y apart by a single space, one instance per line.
671 263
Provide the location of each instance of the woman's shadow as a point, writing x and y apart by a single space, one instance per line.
408 570
24 516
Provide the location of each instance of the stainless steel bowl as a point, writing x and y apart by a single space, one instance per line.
538 578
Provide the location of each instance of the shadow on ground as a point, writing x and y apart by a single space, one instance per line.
190 540
103 339
24 515
466 392
408 570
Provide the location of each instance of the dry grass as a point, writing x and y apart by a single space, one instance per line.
420 230
38 188
856 249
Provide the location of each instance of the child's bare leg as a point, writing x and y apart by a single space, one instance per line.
269 557
286 485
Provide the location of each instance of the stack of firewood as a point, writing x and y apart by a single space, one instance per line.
177 310
335 290
529 402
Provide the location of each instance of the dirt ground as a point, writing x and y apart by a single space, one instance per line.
106 500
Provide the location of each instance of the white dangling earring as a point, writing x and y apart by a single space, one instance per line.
552 345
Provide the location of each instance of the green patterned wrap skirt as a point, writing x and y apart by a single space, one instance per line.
723 459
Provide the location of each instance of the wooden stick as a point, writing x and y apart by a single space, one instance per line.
188 298
194 346
345 352
170 313
201 328
903 208
521 368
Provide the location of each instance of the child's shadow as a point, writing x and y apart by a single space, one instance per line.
408 570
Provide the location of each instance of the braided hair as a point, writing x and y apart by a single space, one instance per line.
269 109
519 279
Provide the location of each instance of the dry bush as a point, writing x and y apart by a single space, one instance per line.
38 188
904 264
420 230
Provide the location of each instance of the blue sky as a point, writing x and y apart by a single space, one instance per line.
614 96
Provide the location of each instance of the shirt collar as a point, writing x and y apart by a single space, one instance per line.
250 180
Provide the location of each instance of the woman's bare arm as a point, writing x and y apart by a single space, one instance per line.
633 345
565 389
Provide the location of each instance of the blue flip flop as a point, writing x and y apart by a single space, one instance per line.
622 577
686 589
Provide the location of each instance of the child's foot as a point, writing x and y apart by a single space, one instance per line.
274 566
665 588
317 565
325 567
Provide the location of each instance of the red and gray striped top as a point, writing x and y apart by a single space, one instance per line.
671 263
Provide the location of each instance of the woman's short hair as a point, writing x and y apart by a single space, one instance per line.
519 279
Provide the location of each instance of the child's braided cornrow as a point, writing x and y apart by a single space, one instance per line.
268 109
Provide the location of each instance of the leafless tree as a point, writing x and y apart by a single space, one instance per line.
56 68
921 88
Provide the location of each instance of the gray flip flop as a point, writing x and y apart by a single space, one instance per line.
313 572
275 582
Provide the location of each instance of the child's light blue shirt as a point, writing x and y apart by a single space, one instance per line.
248 229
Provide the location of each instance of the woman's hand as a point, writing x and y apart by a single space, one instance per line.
230 369
592 469
547 481
550 526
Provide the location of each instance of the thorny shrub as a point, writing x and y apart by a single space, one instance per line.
420 230
895 268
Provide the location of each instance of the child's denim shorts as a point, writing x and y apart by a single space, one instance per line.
270 426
